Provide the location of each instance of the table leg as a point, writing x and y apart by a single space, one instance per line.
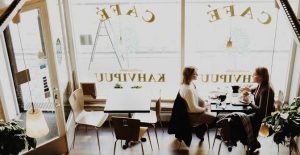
125 146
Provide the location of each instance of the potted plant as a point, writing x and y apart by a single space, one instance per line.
118 86
13 139
285 124
136 87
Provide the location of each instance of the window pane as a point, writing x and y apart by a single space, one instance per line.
258 38
136 38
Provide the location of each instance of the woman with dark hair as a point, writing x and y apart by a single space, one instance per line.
199 114
263 99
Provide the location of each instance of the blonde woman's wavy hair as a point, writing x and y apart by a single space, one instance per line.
187 75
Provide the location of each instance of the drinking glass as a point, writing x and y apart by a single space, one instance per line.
222 97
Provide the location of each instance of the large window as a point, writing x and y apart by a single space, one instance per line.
138 43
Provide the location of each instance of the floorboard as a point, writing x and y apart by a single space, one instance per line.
86 143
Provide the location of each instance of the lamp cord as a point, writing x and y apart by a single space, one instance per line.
23 55
230 23
274 43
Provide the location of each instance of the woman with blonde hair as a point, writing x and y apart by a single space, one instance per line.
199 114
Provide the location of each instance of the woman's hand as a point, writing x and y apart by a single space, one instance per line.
245 89
203 109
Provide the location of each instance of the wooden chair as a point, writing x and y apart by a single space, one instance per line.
194 124
81 117
224 130
89 91
151 118
157 112
278 104
90 96
128 129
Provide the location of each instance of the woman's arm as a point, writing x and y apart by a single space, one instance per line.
254 107
252 90
201 102
263 101
192 103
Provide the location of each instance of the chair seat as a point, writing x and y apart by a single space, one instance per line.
142 131
87 97
146 117
93 118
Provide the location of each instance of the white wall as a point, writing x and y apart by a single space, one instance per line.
295 77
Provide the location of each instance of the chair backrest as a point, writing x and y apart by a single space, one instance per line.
89 89
158 107
225 129
179 123
280 101
76 101
126 128
193 117
280 96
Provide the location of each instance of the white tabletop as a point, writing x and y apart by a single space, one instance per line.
128 101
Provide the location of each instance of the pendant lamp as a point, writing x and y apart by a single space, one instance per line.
36 125
229 43
264 130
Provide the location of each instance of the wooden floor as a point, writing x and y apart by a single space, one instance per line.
86 144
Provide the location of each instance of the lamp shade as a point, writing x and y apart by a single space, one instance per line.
264 130
229 43
36 125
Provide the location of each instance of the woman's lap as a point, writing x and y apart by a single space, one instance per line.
202 118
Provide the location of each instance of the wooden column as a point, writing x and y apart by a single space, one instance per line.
13 66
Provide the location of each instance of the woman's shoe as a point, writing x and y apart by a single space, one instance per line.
255 145
200 131
201 139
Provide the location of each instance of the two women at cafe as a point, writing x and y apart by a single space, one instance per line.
263 100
